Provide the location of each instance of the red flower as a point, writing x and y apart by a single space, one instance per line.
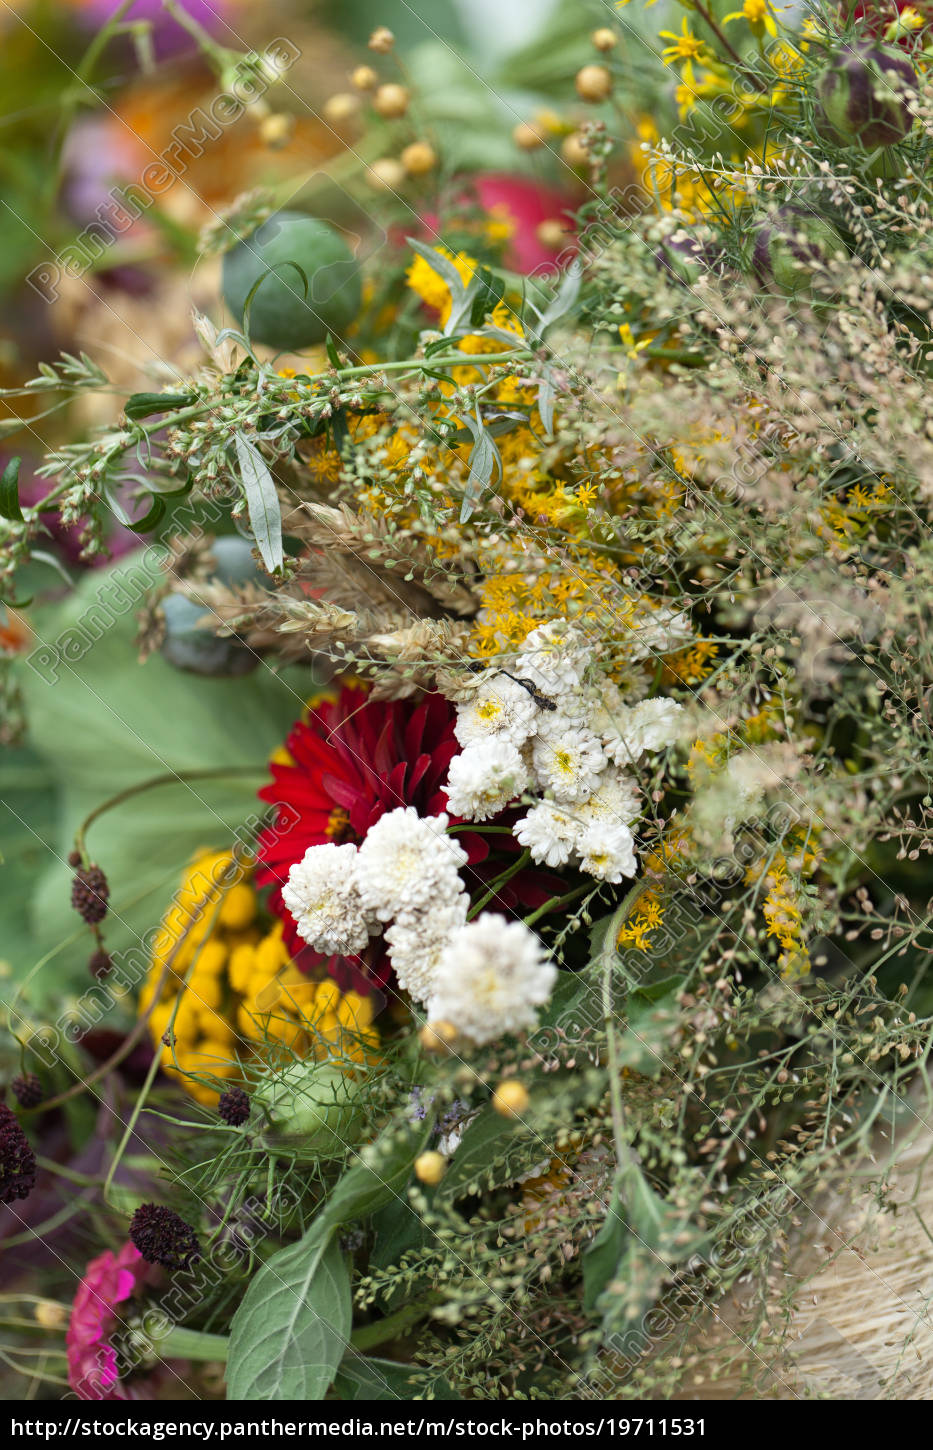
353 759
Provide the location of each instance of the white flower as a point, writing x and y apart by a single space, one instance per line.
492 978
569 764
607 851
408 864
650 725
657 630
616 802
554 657
500 708
322 894
484 779
549 833
417 943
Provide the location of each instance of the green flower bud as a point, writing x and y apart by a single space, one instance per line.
313 1109
864 95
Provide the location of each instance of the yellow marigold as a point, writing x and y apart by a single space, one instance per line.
430 286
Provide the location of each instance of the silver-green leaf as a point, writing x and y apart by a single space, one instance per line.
262 501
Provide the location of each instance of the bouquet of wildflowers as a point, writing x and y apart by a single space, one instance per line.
535 614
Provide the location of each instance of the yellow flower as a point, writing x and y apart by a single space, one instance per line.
686 46
430 286
758 15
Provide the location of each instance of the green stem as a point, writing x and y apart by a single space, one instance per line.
557 901
84 1180
141 1096
610 944
182 1343
518 864
395 1324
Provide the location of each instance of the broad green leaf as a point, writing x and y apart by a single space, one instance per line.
567 294
291 1330
101 722
484 464
262 502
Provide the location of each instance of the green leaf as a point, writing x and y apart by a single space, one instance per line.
489 291
143 405
9 491
484 463
332 352
567 294
602 1259
378 1178
262 501
360 1378
480 1147
101 722
291 1330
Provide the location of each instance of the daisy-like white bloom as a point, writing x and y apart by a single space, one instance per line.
616 802
408 864
549 833
569 764
417 943
484 779
500 709
607 851
322 893
492 978
554 657
651 725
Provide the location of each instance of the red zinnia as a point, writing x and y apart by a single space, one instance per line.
351 760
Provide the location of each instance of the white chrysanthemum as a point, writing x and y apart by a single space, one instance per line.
492 978
483 780
322 894
650 725
417 943
500 708
617 801
607 851
554 657
570 764
549 833
408 864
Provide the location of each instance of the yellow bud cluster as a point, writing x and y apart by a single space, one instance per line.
244 997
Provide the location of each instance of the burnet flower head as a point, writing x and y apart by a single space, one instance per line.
492 978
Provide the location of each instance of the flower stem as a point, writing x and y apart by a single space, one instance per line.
182 1343
517 865
395 1324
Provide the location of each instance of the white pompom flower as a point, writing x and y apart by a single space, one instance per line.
322 893
417 943
651 725
492 978
408 863
554 657
549 833
484 779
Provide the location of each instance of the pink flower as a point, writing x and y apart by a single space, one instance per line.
92 1360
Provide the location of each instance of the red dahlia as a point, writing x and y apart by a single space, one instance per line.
353 759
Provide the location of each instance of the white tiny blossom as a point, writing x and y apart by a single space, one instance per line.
322 893
570 764
499 708
492 978
650 725
607 851
417 943
554 656
549 833
408 864
483 780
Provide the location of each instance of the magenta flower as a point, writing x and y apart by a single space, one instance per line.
108 1281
